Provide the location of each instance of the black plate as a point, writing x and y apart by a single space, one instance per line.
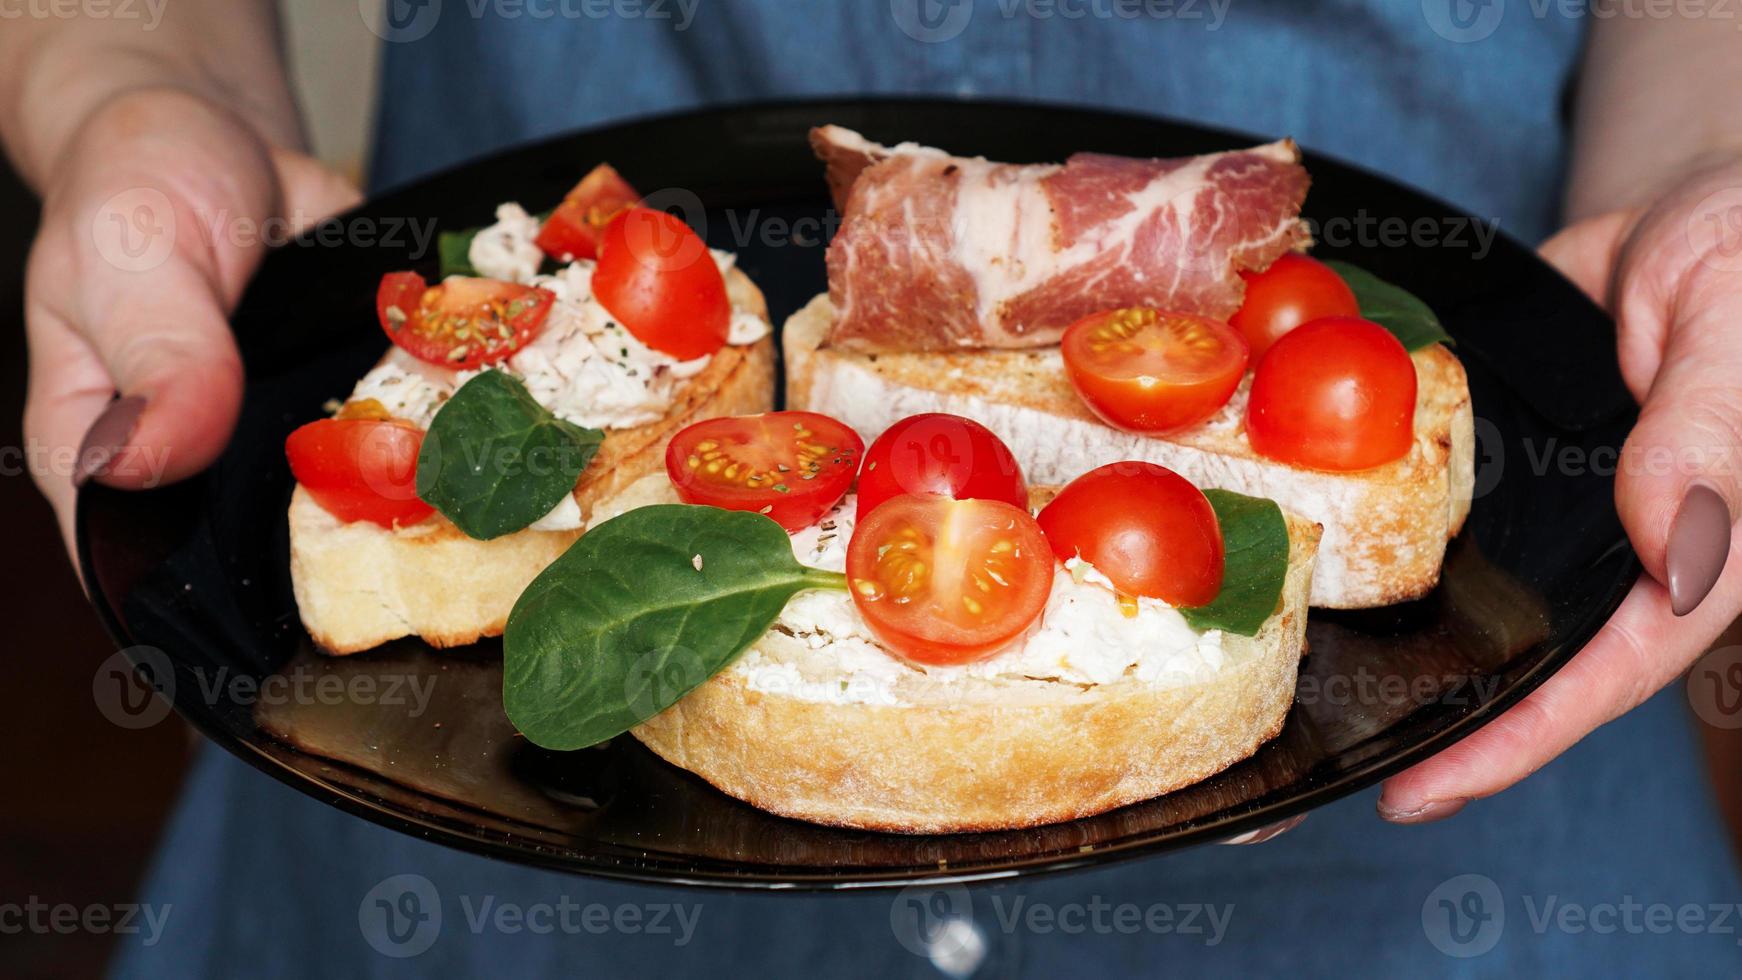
194 577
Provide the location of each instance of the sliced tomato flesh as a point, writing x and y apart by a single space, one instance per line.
791 466
360 467
461 323
1151 370
572 231
944 581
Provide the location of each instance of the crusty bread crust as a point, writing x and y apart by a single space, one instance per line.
1385 528
989 754
359 585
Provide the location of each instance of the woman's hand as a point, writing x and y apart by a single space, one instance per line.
153 220
1671 274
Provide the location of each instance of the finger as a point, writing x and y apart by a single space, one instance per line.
68 388
139 258
311 190
1643 647
1679 488
164 335
1588 254
160 329
150 232
1585 252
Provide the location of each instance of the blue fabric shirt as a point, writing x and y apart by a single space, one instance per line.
1459 98
1471 116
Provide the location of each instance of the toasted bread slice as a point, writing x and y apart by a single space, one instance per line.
360 585
1386 528
978 753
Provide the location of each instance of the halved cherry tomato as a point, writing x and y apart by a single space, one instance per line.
1153 371
939 453
657 278
1294 290
1143 526
1334 394
572 230
944 581
461 322
360 469
792 466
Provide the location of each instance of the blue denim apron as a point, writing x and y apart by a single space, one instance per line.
1610 859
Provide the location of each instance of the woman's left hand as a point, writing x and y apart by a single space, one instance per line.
1671 275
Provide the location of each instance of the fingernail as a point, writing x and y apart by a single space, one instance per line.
1427 812
106 437
1699 541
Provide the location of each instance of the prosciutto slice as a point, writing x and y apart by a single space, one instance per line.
939 252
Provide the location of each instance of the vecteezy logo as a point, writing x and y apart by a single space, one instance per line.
660 677
400 21
932 21
934 922
1490 458
401 916
1714 230
646 235
135 687
134 231
1715 687
1463 21
681 202
1464 916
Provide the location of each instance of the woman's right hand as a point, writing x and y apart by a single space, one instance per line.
154 218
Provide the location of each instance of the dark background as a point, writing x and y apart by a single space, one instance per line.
84 799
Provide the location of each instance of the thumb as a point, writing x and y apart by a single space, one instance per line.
150 232
162 331
132 361
123 405
166 345
1678 489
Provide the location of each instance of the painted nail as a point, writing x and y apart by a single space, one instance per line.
1437 810
1699 541
107 436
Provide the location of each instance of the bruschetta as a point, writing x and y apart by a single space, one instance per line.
917 662
955 284
373 559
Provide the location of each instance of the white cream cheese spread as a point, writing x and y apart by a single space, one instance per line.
1083 637
583 366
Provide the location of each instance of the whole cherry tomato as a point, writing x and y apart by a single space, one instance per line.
939 453
1145 527
1334 394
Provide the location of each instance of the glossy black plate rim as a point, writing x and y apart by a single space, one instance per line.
708 873
698 871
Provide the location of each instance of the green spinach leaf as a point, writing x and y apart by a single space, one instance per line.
455 248
495 460
1393 307
637 613
1255 540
